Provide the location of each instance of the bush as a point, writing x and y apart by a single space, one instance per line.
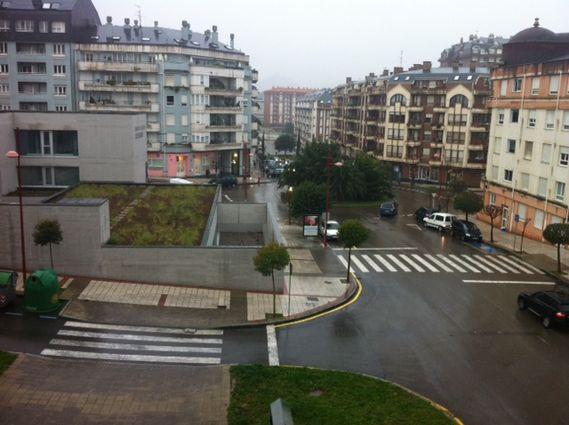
308 198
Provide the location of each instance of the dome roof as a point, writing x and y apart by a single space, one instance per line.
534 34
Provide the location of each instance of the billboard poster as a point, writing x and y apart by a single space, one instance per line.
310 225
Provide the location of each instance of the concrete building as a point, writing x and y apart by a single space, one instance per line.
528 163
279 104
431 123
61 149
312 117
477 51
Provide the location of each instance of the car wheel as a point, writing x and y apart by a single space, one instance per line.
546 322
521 304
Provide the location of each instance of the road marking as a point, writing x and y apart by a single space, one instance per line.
477 263
412 263
451 263
272 346
516 282
130 357
228 198
415 226
359 264
439 263
400 248
180 331
130 337
425 263
489 263
464 263
134 347
501 263
371 263
516 264
398 263
343 261
525 263
385 263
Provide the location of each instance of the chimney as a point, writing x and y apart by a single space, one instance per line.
185 30
155 24
127 26
156 30
232 40
109 20
455 66
348 80
472 66
397 70
426 66
136 27
207 34
214 35
385 72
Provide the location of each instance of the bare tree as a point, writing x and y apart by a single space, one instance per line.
492 211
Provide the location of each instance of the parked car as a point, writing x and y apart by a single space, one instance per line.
388 209
177 180
333 229
466 231
277 172
551 307
440 221
225 180
423 212
7 287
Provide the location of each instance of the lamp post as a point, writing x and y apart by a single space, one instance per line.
289 197
328 167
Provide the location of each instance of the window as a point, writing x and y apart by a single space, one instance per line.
398 98
495 170
170 138
59 49
554 84
184 137
559 191
58 27
535 85
532 118
514 115
4 25
25 26
3 48
170 119
508 175
522 212
43 26
30 48
61 108
59 69
60 90
503 87
170 80
500 116
3 68
528 150
542 187
184 100
459 99
524 181
550 120
518 85
184 120
563 156
538 219
56 142
566 121
184 81
546 153
4 107
170 100
492 200
4 88
511 146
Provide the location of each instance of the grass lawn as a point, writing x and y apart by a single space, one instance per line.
324 397
119 196
6 359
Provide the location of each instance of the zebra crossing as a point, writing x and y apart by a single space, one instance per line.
99 341
437 263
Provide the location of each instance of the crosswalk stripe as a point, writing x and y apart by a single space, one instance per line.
134 347
359 264
478 264
489 263
385 263
501 263
451 263
525 263
398 263
150 329
513 282
464 263
343 261
425 263
412 263
131 337
439 263
515 264
130 357
372 263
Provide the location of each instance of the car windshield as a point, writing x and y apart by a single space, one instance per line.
333 226
387 205
470 226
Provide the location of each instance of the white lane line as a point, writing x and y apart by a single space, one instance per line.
130 357
228 198
483 259
385 263
451 263
515 264
425 263
343 261
180 331
360 265
272 346
439 263
395 248
525 263
478 264
502 264
371 263
415 226
412 263
134 347
130 337
398 263
511 282
464 263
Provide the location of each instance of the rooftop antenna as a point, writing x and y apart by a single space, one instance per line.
139 13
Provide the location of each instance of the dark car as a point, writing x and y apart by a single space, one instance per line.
225 180
551 307
276 173
388 209
423 212
466 231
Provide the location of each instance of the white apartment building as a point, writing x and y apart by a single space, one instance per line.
312 117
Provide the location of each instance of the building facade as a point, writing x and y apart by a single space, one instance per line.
279 104
528 162
431 124
477 51
312 116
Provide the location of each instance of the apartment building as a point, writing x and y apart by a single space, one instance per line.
432 124
476 51
312 117
279 104
36 52
528 162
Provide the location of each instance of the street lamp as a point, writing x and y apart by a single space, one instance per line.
329 166
289 197
16 155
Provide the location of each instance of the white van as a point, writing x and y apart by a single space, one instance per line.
440 221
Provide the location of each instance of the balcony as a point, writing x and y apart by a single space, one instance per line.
117 66
219 109
222 91
415 108
439 108
479 127
118 107
119 88
414 143
153 147
254 76
225 127
152 127
204 147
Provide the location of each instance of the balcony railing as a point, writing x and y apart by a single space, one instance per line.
119 87
222 91
117 66
202 147
112 106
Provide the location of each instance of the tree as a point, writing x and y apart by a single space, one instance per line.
308 198
468 203
298 145
457 186
352 233
310 165
48 232
376 177
492 211
285 142
268 259
557 234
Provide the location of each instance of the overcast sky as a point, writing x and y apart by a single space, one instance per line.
318 43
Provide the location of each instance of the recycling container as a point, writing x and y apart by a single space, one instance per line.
7 287
42 292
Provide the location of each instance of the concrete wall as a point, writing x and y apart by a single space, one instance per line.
237 217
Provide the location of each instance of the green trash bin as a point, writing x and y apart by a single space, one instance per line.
42 292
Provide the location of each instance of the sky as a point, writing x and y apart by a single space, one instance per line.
320 43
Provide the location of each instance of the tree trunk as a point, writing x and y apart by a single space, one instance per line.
51 256
349 263
559 258
491 230
466 214
274 294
